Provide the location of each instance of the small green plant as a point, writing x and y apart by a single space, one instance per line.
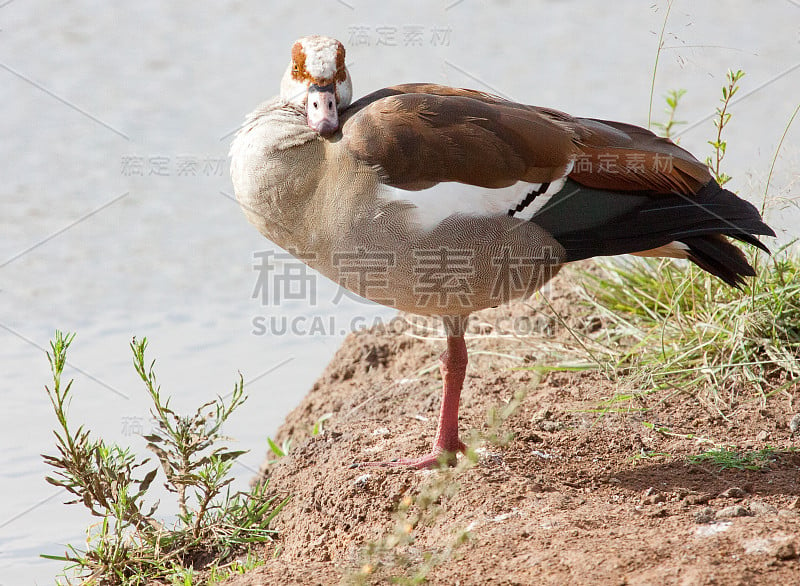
129 545
319 424
726 459
672 99
184 445
720 122
282 450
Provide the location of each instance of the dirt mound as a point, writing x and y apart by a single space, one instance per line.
568 492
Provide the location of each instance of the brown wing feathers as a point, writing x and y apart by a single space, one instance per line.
633 158
418 140
629 190
420 134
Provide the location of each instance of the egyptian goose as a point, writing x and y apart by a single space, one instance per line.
443 201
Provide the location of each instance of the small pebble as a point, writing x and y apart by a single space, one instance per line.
712 529
786 551
362 480
780 546
548 425
794 423
654 499
697 499
762 508
762 435
730 512
734 492
705 515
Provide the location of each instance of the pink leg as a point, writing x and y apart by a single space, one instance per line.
453 365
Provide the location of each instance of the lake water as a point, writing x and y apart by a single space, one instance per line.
116 217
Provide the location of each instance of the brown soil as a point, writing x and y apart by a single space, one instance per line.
576 495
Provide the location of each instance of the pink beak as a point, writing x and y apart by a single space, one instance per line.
321 107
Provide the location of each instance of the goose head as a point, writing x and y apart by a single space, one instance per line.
317 80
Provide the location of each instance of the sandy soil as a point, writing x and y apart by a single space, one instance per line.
565 493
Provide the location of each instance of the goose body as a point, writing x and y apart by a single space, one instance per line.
444 201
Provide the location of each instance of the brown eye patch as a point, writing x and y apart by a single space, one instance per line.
341 74
299 63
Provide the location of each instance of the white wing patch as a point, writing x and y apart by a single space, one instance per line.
431 206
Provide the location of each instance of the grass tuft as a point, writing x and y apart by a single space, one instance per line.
726 459
687 331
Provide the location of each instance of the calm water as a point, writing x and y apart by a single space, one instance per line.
116 216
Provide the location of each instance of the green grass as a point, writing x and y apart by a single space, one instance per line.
684 330
726 459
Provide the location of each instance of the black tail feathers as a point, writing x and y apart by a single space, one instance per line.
591 222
